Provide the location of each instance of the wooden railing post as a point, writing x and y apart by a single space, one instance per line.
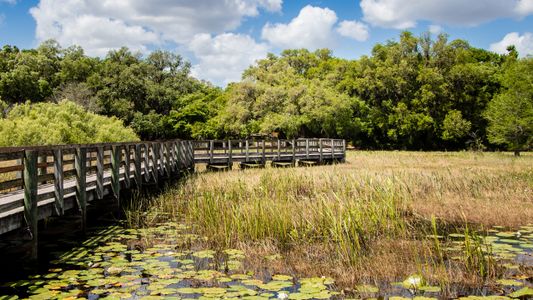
190 151
127 166
100 172
80 163
162 164
332 149
321 150
293 151
247 155
147 174
58 182
138 166
31 215
175 152
168 159
230 155
343 150
263 156
279 149
155 161
211 151
115 170
307 148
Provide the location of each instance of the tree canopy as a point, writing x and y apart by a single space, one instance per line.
412 93
510 114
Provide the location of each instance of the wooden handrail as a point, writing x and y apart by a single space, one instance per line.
42 181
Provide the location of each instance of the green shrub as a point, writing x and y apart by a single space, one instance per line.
61 123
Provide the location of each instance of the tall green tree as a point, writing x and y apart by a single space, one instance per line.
510 113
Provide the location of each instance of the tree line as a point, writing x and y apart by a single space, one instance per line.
415 93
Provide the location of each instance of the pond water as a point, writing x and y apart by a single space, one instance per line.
165 262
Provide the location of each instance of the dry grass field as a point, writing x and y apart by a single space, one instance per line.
374 219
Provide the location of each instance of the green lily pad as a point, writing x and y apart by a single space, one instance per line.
280 277
367 288
527 291
510 282
431 289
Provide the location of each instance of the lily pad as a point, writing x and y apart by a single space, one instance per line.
367 288
527 291
510 282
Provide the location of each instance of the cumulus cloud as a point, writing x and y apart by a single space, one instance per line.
523 43
435 29
524 7
403 14
173 21
222 58
311 29
354 30
99 26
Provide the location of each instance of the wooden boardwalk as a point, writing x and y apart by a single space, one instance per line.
39 182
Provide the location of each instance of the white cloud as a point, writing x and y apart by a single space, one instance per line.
223 58
523 43
524 7
353 29
311 29
140 20
435 29
402 14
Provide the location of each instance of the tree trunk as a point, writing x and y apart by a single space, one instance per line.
517 153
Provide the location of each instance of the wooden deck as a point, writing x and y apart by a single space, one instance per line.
39 182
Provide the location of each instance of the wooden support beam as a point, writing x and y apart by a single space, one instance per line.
116 152
80 164
30 197
100 172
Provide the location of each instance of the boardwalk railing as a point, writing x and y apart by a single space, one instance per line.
260 151
39 182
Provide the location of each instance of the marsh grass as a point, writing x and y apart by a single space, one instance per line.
366 221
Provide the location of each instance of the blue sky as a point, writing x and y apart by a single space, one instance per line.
222 38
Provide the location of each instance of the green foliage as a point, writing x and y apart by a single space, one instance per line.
414 93
510 113
454 126
62 123
150 93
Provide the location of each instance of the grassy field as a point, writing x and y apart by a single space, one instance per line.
376 219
